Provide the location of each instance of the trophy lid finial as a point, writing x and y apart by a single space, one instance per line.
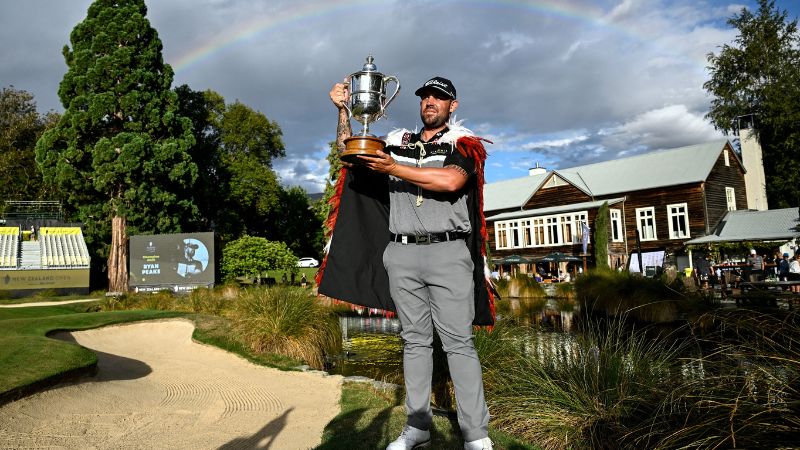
369 66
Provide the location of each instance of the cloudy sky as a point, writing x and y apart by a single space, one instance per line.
553 82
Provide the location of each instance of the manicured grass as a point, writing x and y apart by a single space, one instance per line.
370 419
47 298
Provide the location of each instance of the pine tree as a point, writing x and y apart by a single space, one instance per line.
120 151
759 76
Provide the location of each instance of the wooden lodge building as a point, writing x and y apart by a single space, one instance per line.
669 196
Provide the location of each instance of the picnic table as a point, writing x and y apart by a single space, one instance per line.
780 289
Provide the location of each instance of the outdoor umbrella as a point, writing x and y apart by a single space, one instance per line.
515 259
558 257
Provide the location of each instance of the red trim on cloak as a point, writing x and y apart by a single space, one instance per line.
471 147
332 215
330 223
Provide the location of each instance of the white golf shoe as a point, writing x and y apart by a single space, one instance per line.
480 444
411 438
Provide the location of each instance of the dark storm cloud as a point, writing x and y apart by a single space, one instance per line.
591 82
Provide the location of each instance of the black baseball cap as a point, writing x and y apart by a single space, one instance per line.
440 84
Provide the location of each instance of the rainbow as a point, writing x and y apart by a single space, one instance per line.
303 10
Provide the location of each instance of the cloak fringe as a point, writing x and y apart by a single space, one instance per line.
471 147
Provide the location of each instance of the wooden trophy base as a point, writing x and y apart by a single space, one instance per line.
360 145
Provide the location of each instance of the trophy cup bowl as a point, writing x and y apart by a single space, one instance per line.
368 104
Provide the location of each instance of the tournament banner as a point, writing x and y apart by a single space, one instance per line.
177 262
44 279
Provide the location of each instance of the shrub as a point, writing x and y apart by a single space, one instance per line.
623 293
580 391
741 391
520 285
251 256
210 301
288 321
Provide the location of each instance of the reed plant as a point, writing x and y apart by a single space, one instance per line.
623 293
215 301
741 390
579 391
287 321
519 285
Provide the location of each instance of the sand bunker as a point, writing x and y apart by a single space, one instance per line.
157 389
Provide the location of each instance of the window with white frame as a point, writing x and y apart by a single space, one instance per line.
727 158
543 231
538 231
678 220
616 225
527 233
730 198
646 223
514 235
501 235
551 230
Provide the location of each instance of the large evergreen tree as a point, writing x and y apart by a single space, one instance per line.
120 151
759 75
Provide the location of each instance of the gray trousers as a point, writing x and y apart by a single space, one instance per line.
432 285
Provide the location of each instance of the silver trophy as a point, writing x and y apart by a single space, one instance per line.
368 103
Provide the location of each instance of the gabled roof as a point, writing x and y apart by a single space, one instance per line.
750 225
555 209
661 168
513 193
690 164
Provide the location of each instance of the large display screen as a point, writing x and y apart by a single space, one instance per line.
171 261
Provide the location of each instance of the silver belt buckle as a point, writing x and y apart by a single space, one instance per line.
423 239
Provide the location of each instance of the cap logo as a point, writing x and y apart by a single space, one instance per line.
436 82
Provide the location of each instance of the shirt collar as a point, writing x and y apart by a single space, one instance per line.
434 138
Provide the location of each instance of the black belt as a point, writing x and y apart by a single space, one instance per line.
430 238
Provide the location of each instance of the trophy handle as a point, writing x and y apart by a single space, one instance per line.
396 90
348 86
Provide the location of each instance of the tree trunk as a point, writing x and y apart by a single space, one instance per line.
118 256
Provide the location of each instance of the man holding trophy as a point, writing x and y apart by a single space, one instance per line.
409 237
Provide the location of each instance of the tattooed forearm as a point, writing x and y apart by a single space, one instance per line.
458 169
343 130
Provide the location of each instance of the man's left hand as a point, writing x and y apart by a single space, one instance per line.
381 162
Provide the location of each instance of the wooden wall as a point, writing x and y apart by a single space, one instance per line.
722 176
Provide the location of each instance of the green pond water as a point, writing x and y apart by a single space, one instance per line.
372 346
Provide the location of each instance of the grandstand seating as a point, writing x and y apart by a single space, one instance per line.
9 246
63 247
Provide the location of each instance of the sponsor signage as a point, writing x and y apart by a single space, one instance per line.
176 262
44 279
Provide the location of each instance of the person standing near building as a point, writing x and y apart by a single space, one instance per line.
783 267
756 263
433 254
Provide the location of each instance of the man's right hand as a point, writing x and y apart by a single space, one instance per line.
340 94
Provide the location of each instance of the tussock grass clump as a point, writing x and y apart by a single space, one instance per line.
288 321
520 285
741 391
157 301
623 293
215 301
579 391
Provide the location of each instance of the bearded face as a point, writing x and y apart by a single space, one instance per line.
435 109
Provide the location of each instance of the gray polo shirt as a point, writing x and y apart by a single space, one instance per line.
439 211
